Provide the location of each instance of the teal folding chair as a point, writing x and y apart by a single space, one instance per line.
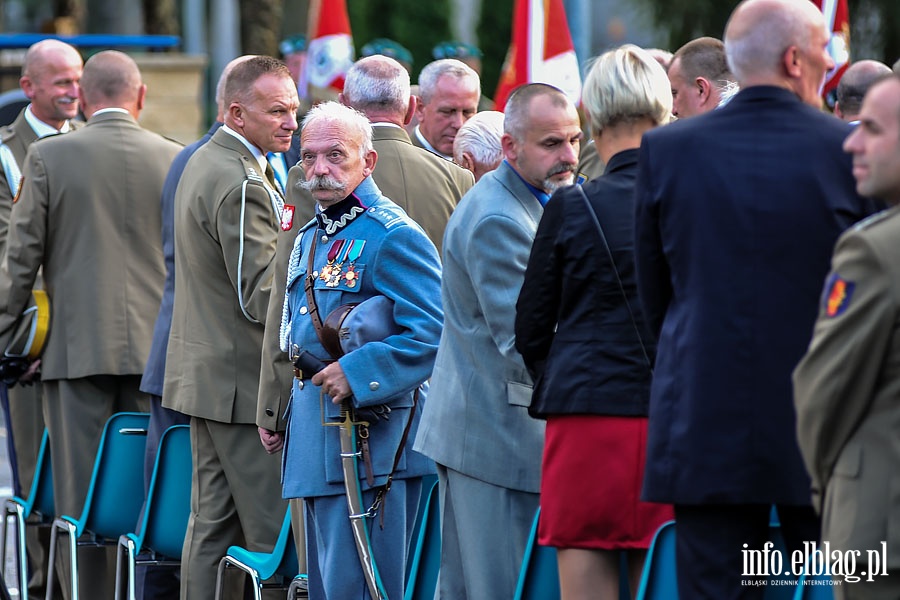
659 580
425 554
164 520
114 497
281 561
38 503
539 576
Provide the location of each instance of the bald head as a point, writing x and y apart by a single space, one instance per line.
855 82
50 75
378 86
112 79
778 42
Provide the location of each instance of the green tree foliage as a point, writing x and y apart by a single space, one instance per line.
414 24
257 34
494 35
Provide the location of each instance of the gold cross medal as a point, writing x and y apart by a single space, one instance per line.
326 271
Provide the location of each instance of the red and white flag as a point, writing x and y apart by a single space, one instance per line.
837 18
330 51
541 51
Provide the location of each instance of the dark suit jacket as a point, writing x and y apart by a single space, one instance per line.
737 212
152 381
573 327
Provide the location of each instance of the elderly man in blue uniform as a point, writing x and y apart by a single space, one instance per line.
360 245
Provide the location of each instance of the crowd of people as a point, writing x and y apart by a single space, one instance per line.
687 313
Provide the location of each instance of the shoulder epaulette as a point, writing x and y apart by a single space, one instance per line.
875 219
6 133
388 214
251 170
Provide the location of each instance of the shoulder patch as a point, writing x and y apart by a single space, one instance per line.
837 295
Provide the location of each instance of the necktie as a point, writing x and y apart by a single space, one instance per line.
277 166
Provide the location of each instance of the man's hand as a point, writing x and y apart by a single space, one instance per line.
32 374
272 441
333 382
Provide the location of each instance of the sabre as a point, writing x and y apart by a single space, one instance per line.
306 365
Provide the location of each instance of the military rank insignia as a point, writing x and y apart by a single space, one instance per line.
838 292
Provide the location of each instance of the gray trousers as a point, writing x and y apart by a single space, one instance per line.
484 531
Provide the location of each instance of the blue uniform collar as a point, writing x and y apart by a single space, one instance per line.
338 216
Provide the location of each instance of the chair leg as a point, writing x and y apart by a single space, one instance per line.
21 552
73 560
257 584
121 549
220 577
51 563
132 557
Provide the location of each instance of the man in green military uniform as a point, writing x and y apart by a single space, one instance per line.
227 213
50 74
88 215
846 387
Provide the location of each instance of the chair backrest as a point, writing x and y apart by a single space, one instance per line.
425 553
283 559
539 576
40 497
168 504
116 491
659 580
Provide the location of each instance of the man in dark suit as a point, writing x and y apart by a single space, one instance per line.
88 214
730 267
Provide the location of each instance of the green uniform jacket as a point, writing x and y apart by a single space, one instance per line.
846 392
226 222
88 212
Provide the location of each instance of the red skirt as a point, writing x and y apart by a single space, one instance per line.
592 473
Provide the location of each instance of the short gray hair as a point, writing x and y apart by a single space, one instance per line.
446 67
624 85
518 113
480 137
377 83
351 118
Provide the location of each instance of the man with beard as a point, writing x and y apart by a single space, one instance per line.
476 424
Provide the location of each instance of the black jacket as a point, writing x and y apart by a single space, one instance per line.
573 326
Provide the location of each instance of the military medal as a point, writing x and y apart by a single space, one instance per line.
329 268
287 217
334 275
350 276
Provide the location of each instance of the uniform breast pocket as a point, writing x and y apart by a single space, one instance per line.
343 278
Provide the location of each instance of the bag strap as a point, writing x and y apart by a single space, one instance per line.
612 261
308 286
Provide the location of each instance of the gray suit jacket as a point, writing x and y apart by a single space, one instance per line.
476 419
88 212
223 277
